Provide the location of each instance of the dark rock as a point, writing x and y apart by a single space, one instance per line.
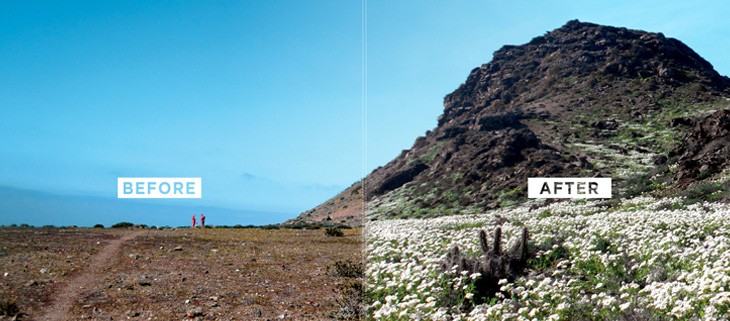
681 121
401 178
659 160
143 281
706 148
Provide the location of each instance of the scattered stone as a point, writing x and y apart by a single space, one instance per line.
610 124
142 281
257 313
44 271
131 313
135 256
178 248
32 283
195 312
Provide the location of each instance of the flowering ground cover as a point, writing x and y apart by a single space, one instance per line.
636 259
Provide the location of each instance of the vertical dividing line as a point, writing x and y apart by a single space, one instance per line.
364 122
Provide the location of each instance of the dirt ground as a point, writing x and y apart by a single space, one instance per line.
180 274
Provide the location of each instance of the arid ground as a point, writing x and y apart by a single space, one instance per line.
176 274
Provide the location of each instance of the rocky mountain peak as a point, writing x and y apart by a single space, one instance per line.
578 51
581 100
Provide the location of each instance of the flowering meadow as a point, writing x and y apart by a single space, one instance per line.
635 259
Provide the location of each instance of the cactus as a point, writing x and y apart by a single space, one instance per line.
497 241
493 264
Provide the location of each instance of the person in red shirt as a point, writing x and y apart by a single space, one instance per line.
202 220
193 220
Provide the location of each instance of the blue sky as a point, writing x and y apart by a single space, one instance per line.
262 99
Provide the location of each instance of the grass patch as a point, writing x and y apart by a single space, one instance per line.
705 191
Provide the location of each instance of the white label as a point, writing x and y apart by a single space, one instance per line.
159 187
569 187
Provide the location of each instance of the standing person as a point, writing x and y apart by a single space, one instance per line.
202 220
193 220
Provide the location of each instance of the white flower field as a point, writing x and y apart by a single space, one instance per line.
639 259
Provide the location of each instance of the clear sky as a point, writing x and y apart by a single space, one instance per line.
262 99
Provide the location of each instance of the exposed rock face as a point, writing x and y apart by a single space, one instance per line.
706 148
560 105
581 50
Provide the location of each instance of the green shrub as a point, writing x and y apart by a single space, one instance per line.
122 225
553 251
335 232
346 269
706 191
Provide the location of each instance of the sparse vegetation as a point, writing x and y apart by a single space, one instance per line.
705 191
213 270
347 269
510 197
334 232
350 301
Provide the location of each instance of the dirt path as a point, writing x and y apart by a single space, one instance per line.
71 291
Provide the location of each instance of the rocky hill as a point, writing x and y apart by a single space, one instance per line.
582 100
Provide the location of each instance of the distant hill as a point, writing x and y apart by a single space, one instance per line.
22 206
582 100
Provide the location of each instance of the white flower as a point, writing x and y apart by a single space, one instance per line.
403 255
624 306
